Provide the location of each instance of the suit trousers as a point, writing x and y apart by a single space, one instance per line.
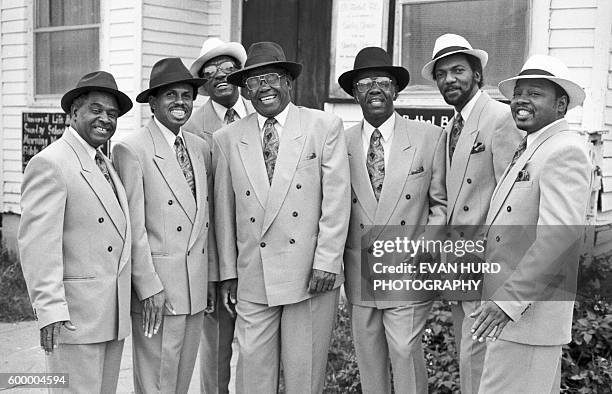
471 353
393 334
516 368
216 350
296 335
165 362
91 368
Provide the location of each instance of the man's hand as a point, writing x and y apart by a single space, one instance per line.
211 298
153 312
321 281
489 316
228 295
49 334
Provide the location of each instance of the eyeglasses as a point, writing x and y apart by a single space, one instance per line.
365 84
211 70
272 79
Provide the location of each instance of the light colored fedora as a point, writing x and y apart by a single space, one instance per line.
214 47
450 44
550 68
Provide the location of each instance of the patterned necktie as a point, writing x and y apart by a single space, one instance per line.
230 116
270 146
99 159
183 159
375 162
519 151
454 136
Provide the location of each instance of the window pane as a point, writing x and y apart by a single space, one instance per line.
63 57
67 12
497 26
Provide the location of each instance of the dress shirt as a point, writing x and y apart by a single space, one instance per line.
169 136
91 151
533 136
220 110
280 123
386 130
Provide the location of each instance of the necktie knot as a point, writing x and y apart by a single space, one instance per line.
230 115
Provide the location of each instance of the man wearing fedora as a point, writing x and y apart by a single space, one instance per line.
534 232
282 210
217 60
397 179
167 175
74 241
481 138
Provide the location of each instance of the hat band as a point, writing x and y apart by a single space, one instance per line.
535 71
446 50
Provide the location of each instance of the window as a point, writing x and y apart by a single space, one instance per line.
66 43
500 27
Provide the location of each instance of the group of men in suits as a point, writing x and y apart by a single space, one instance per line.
246 215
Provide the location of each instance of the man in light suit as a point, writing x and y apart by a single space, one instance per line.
167 176
282 192
397 178
481 139
535 230
74 241
225 105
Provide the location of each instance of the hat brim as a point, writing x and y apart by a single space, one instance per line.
401 75
123 101
232 49
143 97
292 68
427 70
574 91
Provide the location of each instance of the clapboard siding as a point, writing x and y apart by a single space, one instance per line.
606 201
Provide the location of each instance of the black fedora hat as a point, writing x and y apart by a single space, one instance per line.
262 54
373 58
100 81
166 72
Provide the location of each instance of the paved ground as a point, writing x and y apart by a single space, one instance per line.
20 352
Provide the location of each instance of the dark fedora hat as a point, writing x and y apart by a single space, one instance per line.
262 54
373 58
166 72
99 81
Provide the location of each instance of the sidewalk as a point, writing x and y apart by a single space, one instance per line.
20 352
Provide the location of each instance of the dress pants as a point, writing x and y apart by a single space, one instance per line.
165 362
393 334
91 368
516 368
471 353
296 335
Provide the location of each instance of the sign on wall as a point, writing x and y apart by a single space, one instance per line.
39 130
437 116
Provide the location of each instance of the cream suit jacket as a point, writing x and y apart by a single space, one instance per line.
205 121
74 244
413 195
270 237
556 194
173 239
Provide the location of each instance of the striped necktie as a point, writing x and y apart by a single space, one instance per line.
375 163
185 163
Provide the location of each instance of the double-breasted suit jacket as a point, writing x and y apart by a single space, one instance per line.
534 222
74 243
413 195
173 237
272 236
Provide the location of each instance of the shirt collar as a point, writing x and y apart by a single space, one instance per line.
467 109
280 118
386 129
91 151
169 136
531 137
220 109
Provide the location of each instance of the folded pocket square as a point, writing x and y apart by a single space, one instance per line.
310 156
477 148
417 171
522 176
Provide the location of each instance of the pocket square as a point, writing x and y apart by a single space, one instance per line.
522 176
477 148
417 171
310 156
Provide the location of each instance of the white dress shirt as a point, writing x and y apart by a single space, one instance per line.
91 151
280 122
220 110
386 130
169 136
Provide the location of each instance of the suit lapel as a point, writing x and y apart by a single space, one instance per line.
359 173
122 197
199 175
289 154
396 172
165 159
251 154
213 122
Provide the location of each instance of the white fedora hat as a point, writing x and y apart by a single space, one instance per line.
546 67
214 47
450 44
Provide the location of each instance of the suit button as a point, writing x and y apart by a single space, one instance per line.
407 196
466 208
298 186
263 244
292 241
403 222
248 193
509 208
169 202
354 201
469 180
252 220
498 238
370 249
110 248
179 228
206 224
206 198
294 214
461 234
100 220
360 225
188 253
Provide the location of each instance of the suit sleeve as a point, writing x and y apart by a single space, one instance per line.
437 187
504 141
225 213
336 200
40 238
144 278
213 256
